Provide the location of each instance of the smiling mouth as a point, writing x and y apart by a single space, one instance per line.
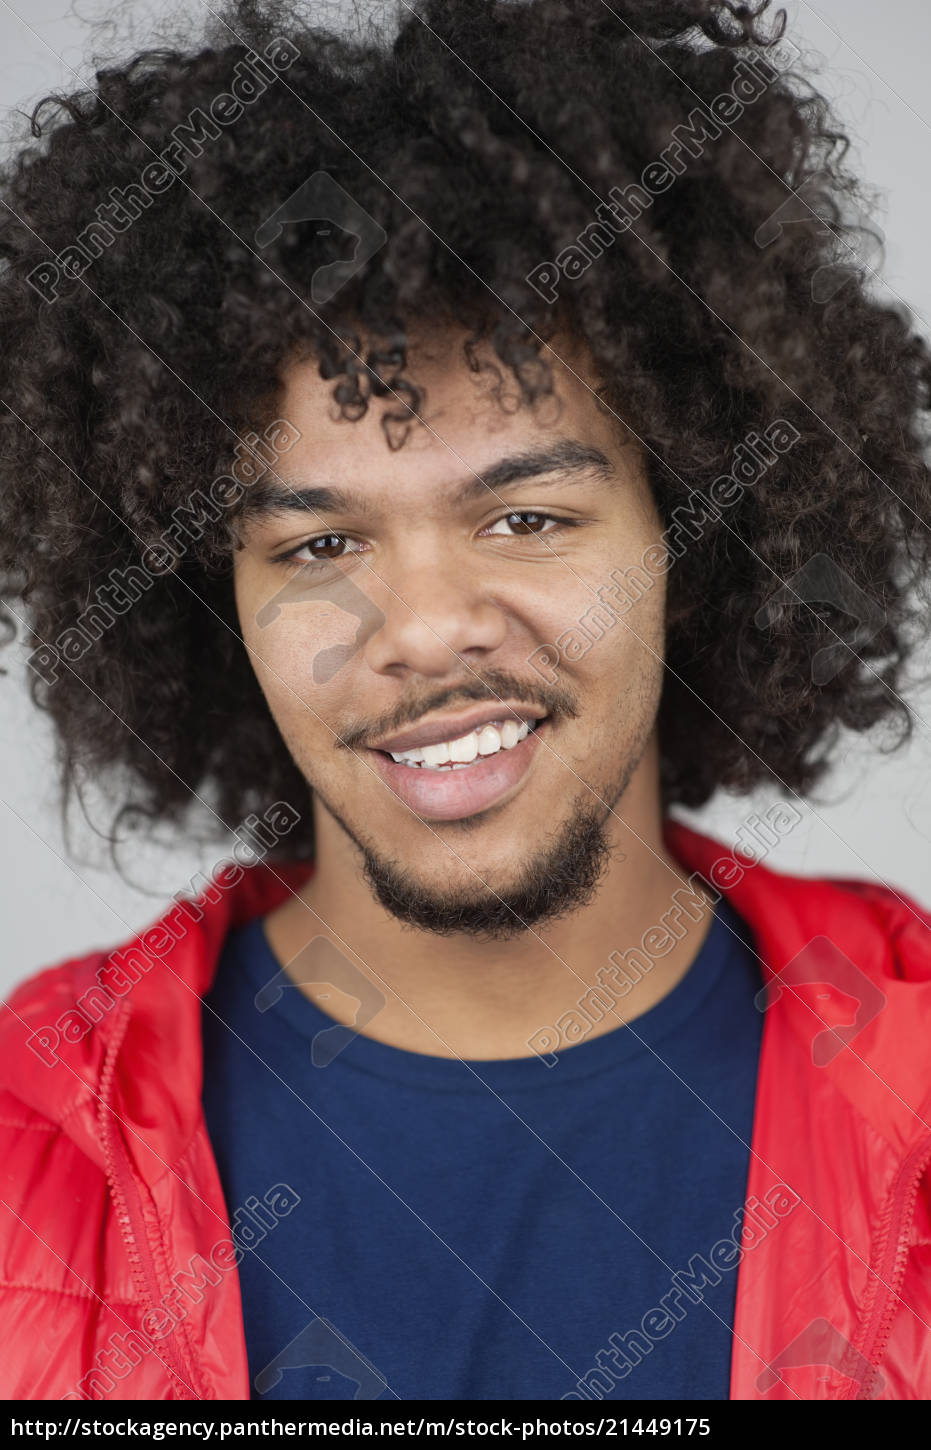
467 750
437 786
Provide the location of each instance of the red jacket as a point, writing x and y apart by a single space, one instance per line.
118 1271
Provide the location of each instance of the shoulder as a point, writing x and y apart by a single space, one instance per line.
41 998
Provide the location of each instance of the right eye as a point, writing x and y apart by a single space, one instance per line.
322 548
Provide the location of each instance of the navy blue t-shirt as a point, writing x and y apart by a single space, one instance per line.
417 1227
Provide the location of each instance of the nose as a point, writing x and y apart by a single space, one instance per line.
434 614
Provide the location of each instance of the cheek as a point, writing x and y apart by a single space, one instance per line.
602 618
313 620
290 643
298 612
294 666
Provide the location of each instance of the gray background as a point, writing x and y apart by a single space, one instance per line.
872 819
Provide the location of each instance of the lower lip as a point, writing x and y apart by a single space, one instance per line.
451 795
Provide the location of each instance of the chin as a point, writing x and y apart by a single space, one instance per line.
482 900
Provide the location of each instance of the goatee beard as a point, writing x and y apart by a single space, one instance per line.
558 880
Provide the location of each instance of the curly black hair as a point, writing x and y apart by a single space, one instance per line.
481 137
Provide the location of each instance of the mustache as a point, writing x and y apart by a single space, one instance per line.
491 689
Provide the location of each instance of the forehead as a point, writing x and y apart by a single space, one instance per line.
463 425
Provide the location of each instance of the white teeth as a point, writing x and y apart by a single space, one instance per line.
510 733
465 748
488 740
457 754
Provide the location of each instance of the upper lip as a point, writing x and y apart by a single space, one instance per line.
451 727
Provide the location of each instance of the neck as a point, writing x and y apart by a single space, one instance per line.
458 996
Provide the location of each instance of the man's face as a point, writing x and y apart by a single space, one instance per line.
406 614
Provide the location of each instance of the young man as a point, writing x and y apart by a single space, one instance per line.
433 459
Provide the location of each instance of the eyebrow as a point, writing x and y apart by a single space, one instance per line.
271 495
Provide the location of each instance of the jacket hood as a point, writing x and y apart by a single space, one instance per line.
142 1050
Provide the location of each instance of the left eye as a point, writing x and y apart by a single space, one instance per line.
526 523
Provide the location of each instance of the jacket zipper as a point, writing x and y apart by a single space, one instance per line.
126 1199
894 1261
